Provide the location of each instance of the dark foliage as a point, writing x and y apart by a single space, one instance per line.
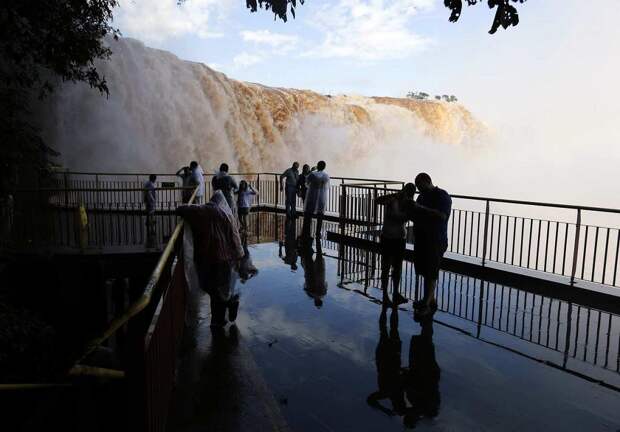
279 7
506 15
60 38
42 43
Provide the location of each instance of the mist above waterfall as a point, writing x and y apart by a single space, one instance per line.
163 112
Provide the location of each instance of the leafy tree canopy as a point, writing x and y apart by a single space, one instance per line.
506 14
42 43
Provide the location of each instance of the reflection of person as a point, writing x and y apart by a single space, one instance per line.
224 182
430 215
315 284
393 239
217 250
244 202
290 175
196 179
316 198
422 377
185 174
290 244
389 375
247 269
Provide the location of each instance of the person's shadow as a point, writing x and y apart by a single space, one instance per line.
422 376
315 284
389 372
290 244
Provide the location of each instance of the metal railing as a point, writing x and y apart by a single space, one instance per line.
576 250
567 331
154 325
580 243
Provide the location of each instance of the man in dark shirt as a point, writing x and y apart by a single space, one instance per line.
431 214
290 175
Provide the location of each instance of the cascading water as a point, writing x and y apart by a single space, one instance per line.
163 112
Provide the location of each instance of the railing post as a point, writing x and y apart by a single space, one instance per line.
343 212
258 189
277 190
486 233
374 203
576 247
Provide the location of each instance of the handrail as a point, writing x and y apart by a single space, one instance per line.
510 201
383 181
141 303
103 189
134 309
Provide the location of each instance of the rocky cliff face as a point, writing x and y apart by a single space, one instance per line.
163 112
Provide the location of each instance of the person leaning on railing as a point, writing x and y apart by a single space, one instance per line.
217 251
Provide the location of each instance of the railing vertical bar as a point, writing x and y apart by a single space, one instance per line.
576 247
486 229
616 267
521 242
605 256
538 245
585 248
546 246
471 232
594 254
555 246
529 243
499 237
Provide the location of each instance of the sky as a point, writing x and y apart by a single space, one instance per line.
549 85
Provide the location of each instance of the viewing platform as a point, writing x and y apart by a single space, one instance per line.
526 337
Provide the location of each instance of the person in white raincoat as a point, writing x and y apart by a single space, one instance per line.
217 250
197 179
316 199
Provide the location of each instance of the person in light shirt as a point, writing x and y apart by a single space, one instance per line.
316 199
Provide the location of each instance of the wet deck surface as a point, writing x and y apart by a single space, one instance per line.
291 365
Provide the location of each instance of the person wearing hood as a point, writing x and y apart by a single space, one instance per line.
217 251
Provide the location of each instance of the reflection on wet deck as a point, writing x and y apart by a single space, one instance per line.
315 350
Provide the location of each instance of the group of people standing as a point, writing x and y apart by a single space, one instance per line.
217 225
312 186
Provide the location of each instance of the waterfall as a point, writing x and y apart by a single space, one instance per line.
163 112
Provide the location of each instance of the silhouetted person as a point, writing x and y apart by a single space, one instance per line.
430 215
393 239
185 174
389 373
224 182
290 175
316 199
315 284
290 244
302 189
197 179
150 203
423 375
217 251
244 202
